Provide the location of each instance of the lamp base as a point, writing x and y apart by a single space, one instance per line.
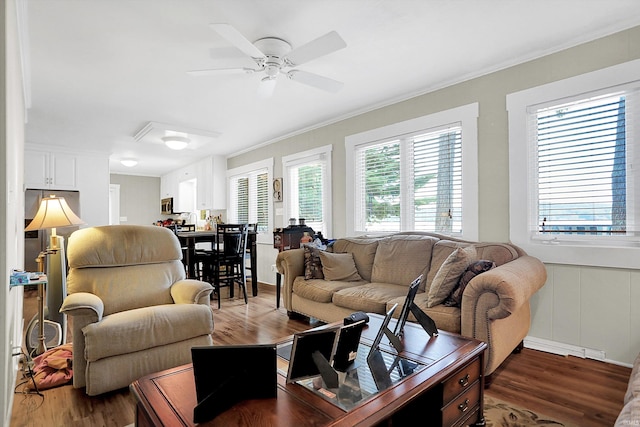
52 336
57 285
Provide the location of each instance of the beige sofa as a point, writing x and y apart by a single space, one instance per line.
133 312
493 306
630 414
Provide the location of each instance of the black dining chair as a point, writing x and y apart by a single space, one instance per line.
251 228
226 266
174 227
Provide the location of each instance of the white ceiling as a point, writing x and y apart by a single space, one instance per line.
101 70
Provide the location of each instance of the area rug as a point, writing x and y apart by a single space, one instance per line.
498 413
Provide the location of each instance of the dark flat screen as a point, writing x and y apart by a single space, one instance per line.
226 375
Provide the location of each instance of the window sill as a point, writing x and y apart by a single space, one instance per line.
582 254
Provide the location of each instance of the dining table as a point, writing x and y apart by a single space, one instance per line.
189 239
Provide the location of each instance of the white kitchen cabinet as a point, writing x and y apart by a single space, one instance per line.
171 182
169 185
211 190
204 199
210 180
86 172
49 170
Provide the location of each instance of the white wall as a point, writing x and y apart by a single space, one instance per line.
565 311
12 105
93 185
139 199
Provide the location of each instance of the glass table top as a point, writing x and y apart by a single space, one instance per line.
370 373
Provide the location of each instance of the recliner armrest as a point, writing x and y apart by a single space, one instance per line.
83 304
189 291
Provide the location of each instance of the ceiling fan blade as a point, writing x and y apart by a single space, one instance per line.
315 80
234 37
229 57
211 71
321 46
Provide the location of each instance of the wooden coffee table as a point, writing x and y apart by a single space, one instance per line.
448 391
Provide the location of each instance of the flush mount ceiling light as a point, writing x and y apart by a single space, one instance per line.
176 142
159 133
129 162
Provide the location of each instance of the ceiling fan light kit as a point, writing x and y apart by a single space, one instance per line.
274 56
176 142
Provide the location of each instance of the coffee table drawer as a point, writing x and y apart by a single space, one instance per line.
462 406
461 381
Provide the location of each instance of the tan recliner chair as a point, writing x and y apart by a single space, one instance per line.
132 311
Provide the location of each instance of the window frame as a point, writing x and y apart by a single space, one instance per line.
467 117
603 251
265 237
300 159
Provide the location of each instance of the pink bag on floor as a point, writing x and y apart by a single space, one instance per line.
53 367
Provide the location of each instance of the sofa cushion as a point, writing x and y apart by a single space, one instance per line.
441 251
175 322
339 267
455 297
400 259
448 275
363 250
320 290
312 263
370 297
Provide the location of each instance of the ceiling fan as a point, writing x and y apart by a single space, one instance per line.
273 56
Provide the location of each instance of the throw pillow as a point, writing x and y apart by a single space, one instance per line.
449 273
312 263
455 297
340 266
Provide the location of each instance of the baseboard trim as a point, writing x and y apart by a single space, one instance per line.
564 349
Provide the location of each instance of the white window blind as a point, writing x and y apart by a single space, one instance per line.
308 188
249 199
378 186
437 181
584 174
411 183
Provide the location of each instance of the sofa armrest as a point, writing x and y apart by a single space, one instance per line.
189 291
504 290
291 265
83 304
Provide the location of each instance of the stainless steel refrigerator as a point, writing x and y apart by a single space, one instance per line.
37 241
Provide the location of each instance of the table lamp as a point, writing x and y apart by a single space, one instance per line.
54 212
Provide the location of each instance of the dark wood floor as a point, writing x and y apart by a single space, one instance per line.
584 392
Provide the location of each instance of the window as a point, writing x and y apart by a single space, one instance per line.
582 168
574 157
308 188
416 175
249 199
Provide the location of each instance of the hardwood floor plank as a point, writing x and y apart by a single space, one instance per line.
586 392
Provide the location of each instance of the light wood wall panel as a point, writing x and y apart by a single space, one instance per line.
589 308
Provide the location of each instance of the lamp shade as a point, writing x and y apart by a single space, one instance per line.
53 212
